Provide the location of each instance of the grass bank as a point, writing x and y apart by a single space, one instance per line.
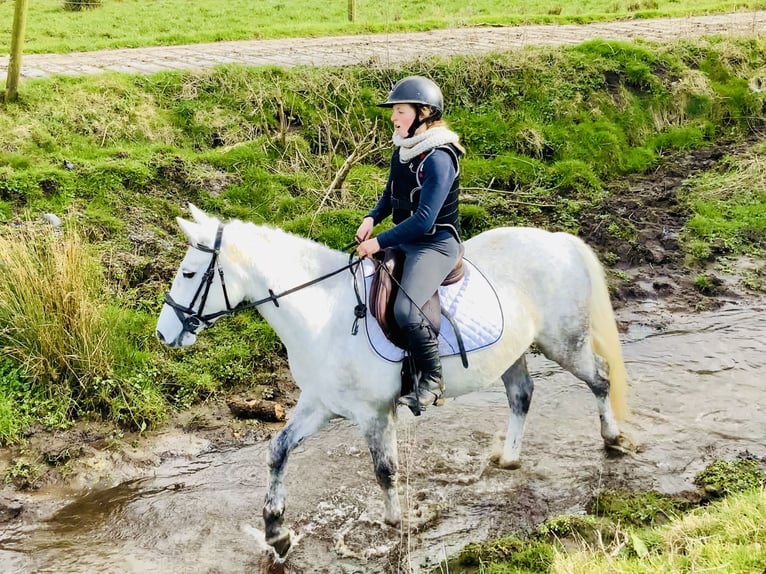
59 26
720 527
116 157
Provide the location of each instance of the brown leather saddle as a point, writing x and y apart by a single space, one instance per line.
385 285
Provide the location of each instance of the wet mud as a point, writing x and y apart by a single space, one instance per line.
638 229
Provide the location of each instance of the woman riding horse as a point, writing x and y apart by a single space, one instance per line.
421 194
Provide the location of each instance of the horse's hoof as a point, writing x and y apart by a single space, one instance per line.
281 543
622 445
393 520
505 464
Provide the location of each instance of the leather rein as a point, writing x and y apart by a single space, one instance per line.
192 321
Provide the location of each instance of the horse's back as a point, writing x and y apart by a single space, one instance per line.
543 270
524 256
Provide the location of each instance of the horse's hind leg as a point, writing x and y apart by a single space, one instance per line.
380 432
304 421
518 388
594 371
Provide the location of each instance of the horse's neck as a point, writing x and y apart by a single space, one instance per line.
279 261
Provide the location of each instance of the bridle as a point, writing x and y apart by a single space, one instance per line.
192 321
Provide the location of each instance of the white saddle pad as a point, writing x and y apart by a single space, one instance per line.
472 303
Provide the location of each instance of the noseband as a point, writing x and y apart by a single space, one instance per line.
191 320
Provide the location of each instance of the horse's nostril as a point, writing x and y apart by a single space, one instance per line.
160 336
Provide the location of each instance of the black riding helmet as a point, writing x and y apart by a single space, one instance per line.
419 92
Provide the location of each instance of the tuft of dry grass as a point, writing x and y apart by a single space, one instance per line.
748 175
50 318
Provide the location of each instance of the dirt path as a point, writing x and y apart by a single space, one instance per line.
381 49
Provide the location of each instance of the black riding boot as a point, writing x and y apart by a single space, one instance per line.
423 347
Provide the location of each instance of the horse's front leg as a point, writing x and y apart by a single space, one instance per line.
518 388
380 432
304 421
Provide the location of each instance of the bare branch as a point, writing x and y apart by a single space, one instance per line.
506 192
362 149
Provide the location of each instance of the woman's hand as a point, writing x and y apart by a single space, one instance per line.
369 247
365 230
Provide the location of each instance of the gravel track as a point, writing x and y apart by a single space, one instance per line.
381 49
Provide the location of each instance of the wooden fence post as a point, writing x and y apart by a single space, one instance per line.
351 10
17 45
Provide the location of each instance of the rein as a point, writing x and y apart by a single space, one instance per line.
192 320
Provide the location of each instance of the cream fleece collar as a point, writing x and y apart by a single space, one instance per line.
422 142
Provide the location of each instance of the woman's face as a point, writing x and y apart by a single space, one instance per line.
402 116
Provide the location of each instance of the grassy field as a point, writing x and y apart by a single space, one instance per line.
53 28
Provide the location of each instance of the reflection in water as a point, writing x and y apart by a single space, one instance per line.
697 394
97 507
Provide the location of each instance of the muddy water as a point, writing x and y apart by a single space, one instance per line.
697 394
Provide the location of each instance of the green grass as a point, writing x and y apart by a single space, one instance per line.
65 351
726 537
718 528
133 23
729 208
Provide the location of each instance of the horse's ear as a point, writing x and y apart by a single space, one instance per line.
190 229
198 215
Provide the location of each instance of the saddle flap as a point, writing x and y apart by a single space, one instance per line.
458 272
383 290
385 283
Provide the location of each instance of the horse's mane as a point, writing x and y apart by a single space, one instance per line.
271 247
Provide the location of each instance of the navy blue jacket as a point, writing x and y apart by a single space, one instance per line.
438 175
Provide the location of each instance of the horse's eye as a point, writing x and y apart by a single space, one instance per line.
189 274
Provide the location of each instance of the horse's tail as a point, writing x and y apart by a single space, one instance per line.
603 331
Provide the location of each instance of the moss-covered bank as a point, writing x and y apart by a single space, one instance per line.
718 527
